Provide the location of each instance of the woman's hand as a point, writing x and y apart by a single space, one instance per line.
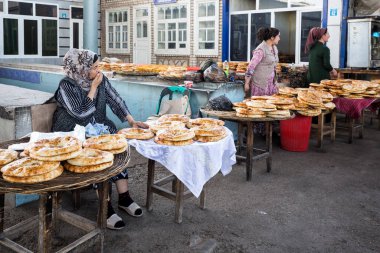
139 124
94 85
334 73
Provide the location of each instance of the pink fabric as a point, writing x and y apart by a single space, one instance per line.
354 107
271 88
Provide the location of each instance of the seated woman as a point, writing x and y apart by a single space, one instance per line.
82 97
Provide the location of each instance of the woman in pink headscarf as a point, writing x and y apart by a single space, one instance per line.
319 55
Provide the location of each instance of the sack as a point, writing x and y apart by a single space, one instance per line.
221 103
176 106
214 74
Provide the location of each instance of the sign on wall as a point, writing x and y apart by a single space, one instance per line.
164 1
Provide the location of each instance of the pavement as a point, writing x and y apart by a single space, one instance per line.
314 201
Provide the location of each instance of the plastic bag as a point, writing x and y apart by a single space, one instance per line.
214 74
221 103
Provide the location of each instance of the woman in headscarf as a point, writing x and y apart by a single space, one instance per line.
82 97
260 75
319 55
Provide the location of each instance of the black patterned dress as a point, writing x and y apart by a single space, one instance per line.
74 107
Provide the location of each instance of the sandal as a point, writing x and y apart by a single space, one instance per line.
115 222
133 209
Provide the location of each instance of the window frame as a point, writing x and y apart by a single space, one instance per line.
120 50
177 50
197 50
21 19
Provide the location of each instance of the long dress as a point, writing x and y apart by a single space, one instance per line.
74 107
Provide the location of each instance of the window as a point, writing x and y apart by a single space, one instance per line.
272 4
305 3
1 6
117 31
19 8
206 27
239 37
308 21
258 20
29 29
172 29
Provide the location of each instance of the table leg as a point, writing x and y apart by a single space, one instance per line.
333 125
321 123
179 201
361 128
149 192
2 211
240 138
248 161
350 129
269 131
45 223
202 203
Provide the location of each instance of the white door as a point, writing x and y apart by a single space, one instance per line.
76 38
141 35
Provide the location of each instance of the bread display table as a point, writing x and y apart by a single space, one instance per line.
191 166
353 109
50 209
250 123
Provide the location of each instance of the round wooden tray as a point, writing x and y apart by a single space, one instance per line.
68 180
231 115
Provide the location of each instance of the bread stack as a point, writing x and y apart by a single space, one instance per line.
113 143
104 66
29 171
175 137
242 67
127 67
232 65
313 100
115 67
56 149
90 160
352 89
209 133
7 156
204 121
156 126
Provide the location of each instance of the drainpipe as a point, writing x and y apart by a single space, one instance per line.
90 25
343 36
225 29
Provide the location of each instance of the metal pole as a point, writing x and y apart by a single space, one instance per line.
90 25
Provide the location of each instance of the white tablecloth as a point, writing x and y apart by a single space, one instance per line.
193 164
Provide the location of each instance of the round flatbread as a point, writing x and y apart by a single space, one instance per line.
55 146
209 130
88 168
56 158
28 167
173 143
175 134
35 179
136 133
204 121
174 117
90 156
210 138
106 142
158 125
118 151
7 156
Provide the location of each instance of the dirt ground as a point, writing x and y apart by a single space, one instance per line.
311 202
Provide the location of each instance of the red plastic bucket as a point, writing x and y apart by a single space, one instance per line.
295 133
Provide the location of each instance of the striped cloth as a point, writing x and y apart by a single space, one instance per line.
354 107
74 107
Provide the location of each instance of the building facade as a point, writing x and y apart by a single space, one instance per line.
40 31
183 32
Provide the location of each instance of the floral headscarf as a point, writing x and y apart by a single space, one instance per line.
77 64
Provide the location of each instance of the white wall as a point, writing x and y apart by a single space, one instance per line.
334 28
242 5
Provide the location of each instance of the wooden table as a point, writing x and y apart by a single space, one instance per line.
50 209
177 193
325 129
354 71
250 123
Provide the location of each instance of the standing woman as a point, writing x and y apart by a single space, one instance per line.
319 55
82 97
260 75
